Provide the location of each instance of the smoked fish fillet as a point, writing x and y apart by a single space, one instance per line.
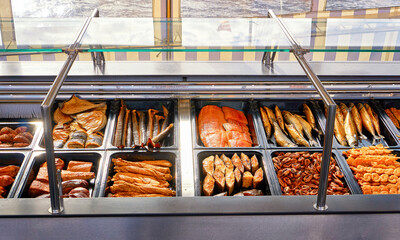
212 133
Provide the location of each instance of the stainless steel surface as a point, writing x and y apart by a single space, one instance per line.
186 148
55 197
191 68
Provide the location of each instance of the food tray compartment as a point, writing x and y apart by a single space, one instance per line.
294 107
171 156
41 146
38 158
18 159
244 106
199 175
170 142
395 151
383 104
33 128
389 139
348 179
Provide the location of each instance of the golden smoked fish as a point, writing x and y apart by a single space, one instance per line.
266 122
367 122
307 130
339 131
310 118
300 140
290 119
396 113
374 119
279 118
349 126
281 138
357 120
393 118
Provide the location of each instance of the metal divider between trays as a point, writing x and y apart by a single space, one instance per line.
53 175
299 52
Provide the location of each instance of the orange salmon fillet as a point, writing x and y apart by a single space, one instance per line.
233 114
211 120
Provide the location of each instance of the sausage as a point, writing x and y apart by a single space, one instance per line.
67 186
79 192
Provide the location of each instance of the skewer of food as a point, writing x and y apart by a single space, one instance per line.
351 120
298 174
236 176
75 180
139 129
223 127
79 123
290 130
19 137
376 169
140 179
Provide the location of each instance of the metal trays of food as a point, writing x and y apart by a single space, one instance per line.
38 158
389 140
40 146
171 156
170 142
380 106
34 128
244 106
294 107
272 174
19 159
201 155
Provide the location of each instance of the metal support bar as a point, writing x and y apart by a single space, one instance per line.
46 107
299 52
98 57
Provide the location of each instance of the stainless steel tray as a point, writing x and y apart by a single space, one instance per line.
34 127
244 106
38 158
41 147
172 156
199 176
21 159
170 142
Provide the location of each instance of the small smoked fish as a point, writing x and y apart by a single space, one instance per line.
396 113
375 120
156 129
296 136
393 118
307 130
290 119
357 120
339 129
129 132
279 118
266 123
281 138
120 125
310 118
150 123
135 129
142 127
125 129
349 126
162 134
367 122
165 122
271 115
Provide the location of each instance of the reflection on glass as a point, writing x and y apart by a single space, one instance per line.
241 8
360 4
77 8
